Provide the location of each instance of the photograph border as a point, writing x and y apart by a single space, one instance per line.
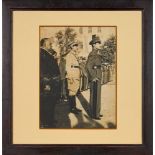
147 81
114 26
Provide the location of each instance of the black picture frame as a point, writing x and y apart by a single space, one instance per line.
147 80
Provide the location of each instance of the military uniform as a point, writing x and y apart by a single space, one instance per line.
49 77
73 77
93 66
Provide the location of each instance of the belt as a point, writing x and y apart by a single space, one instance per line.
97 67
74 66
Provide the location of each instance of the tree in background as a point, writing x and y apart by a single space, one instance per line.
109 50
64 37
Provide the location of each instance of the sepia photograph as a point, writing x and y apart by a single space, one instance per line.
78 77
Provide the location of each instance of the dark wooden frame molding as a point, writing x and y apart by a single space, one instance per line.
147 77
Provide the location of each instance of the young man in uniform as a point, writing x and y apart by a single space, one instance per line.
93 66
73 76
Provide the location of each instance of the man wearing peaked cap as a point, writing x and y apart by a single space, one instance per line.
93 66
73 76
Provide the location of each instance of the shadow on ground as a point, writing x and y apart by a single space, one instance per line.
89 123
83 120
84 103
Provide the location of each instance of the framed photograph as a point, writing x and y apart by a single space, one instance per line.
77 77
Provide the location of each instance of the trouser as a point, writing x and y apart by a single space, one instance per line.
95 98
47 108
84 83
64 88
48 100
72 102
73 87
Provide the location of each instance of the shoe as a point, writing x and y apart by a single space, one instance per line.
78 110
101 115
74 111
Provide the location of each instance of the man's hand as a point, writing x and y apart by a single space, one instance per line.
47 88
96 79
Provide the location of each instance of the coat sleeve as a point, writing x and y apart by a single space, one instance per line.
42 65
68 67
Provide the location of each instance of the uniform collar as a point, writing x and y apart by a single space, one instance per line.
46 50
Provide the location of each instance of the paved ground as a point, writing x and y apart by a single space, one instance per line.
65 119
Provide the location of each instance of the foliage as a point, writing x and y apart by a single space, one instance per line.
64 38
109 50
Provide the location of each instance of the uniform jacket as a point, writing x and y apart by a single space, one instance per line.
93 65
72 66
73 73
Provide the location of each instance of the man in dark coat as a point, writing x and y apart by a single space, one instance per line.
93 66
49 84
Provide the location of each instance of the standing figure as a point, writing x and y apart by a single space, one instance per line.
84 75
73 76
49 84
62 67
93 66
